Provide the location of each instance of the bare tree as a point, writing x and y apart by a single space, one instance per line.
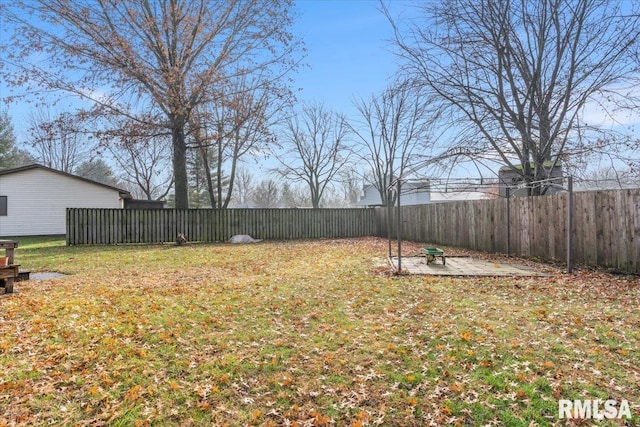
232 127
165 55
55 141
138 149
352 183
315 149
394 126
244 186
143 166
266 194
608 177
521 72
97 170
198 186
294 196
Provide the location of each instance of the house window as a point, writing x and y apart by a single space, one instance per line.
3 205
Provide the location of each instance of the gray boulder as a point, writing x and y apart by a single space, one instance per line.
243 238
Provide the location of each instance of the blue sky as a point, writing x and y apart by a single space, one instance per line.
349 52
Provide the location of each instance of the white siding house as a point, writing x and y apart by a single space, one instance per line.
419 194
412 194
34 199
458 196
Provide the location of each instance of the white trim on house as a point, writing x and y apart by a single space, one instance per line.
37 199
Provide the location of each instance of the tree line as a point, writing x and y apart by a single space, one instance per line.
183 96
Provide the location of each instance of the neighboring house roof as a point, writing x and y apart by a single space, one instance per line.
123 193
519 167
414 185
457 196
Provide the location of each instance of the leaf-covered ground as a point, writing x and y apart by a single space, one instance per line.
304 333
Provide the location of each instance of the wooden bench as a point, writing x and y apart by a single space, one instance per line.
433 253
10 272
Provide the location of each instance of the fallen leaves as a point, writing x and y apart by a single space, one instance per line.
306 333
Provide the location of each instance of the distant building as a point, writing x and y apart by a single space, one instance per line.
418 193
458 196
606 184
413 193
512 178
143 204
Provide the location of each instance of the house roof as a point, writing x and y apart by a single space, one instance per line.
519 167
417 189
423 185
456 196
123 193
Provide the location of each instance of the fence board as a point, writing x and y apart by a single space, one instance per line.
634 224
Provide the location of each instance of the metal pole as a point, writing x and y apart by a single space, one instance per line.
508 221
570 226
399 213
389 210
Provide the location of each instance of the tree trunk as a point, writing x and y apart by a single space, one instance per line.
207 171
232 177
180 168
219 168
315 194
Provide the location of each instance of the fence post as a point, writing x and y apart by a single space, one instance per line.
69 227
508 193
399 230
389 207
570 226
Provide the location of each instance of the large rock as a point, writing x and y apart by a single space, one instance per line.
243 238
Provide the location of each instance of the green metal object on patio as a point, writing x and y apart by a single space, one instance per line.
433 253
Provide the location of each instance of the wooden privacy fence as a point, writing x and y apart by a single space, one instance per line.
606 226
119 226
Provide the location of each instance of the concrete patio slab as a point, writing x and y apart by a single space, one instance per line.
462 266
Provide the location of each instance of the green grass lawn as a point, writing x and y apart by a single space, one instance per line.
304 333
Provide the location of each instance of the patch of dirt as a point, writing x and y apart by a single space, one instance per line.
45 275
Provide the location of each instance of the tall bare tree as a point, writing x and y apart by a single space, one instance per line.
293 196
56 142
522 72
98 170
143 165
244 186
394 126
266 194
166 55
315 149
352 183
232 127
139 149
